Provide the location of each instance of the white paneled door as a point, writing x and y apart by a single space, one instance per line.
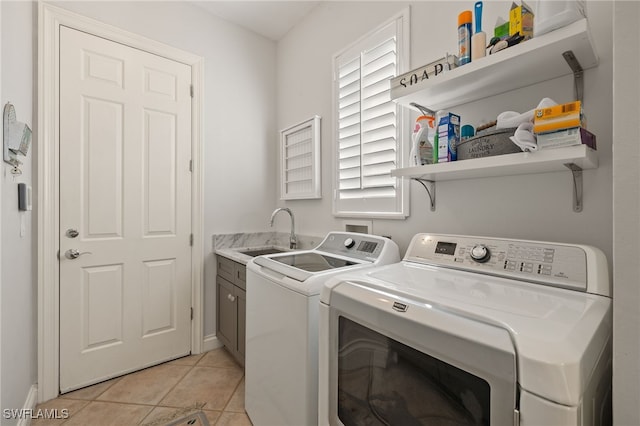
125 209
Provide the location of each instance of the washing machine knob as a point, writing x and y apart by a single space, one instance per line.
480 253
348 243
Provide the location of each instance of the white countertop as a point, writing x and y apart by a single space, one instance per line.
236 255
231 245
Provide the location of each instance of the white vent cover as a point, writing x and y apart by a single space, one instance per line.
300 161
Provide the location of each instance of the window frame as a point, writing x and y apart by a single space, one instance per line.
398 206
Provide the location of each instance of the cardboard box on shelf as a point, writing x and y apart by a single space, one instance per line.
558 117
448 137
567 137
521 20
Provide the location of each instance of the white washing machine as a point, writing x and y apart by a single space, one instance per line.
283 290
469 331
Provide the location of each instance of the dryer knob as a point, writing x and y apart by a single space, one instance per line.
348 243
480 253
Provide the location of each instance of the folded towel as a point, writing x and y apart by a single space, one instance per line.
524 137
514 119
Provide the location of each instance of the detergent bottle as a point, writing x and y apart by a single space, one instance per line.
422 147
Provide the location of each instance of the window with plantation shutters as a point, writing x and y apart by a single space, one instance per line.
369 127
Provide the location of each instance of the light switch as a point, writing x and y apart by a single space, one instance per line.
24 197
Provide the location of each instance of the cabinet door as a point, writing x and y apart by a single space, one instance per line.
242 314
227 313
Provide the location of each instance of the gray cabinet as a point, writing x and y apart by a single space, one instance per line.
231 306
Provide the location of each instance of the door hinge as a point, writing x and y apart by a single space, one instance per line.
190 165
191 240
191 313
191 90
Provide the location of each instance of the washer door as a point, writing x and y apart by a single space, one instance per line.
393 361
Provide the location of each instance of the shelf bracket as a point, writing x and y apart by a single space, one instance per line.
576 171
578 74
423 110
430 187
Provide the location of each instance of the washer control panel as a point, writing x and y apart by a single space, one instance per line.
354 245
561 265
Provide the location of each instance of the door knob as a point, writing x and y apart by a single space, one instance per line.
74 254
72 233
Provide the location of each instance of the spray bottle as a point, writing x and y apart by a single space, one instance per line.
422 147
464 37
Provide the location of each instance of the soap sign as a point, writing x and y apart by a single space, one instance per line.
424 73
413 78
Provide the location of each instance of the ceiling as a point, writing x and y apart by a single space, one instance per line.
271 19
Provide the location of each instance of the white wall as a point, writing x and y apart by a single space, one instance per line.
532 206
626 210
18 287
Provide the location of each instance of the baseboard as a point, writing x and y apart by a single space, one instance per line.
29 405
211 342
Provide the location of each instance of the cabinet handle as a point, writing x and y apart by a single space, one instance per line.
231 298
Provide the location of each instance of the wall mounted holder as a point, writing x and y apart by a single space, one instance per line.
300 161
16 138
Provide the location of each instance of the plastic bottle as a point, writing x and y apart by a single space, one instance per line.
422 149
464 37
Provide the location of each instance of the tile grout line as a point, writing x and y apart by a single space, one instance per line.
233 393
191 367
88 402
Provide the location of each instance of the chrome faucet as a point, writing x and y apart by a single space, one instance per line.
293 240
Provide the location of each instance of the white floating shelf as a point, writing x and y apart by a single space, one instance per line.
533 61
520 163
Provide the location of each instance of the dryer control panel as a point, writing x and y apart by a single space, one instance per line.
561 265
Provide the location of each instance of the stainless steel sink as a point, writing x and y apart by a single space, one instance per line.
261 251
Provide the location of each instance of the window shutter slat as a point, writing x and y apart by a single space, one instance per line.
369 71
379 169
378 181
350 162
348 100
374 192
351 152
348 68
387 157
383 49
349 142
349 110
381 145
376 124
378 133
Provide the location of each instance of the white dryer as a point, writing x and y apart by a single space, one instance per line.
283 291
469 331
